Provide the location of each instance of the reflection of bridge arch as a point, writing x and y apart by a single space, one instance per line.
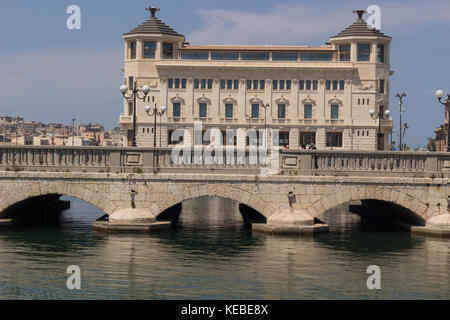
400 198
14 195
189 192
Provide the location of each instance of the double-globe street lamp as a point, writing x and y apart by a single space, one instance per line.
380 116
446 103
156 113
134 94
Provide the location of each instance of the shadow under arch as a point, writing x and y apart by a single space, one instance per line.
252 206
249 215
401 206
46 190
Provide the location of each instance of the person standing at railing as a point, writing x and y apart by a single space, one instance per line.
312 146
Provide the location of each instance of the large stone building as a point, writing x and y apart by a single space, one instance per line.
316 94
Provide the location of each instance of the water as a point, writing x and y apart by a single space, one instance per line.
212 256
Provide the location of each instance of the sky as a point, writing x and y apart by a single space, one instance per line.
52 74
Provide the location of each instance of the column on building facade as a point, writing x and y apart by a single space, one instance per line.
354 51
242 111
373 52
320 138
216 105
321 105
294 134
348 101
139 47
268 97
189 106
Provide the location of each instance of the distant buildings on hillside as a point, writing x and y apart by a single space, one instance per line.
15 130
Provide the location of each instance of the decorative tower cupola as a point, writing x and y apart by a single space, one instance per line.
152 39
362 43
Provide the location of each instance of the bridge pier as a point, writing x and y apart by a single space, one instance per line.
131 220
437 226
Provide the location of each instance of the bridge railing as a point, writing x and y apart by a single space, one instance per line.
380 163
248 161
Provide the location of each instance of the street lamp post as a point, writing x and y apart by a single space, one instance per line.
446 103
156 113
134 94
400 110
380 116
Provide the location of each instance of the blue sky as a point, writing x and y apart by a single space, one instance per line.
50 73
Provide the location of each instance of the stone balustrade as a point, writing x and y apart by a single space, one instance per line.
223 161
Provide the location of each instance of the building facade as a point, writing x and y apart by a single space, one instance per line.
321 95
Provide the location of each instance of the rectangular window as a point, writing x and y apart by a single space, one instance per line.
363 52
281 84
316 57
167 50
177 83
149 49
203 83
307 138
284 138
281 111
132 46
131 83
202 112
236 84
255 56
225 55
229 84
335 84
382 86
196 83
177 109
249 84
334 111
194 55
308 84
302 84
222 84
170 84
308 111
315 83
255 111
183 83
334 139
275 84
288 85
262 84
344 52
342 85
210 83
229 110
381 53
284 56
255 84
328 85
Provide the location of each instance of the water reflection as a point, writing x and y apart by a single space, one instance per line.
212 256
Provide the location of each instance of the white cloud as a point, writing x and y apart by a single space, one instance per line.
300 24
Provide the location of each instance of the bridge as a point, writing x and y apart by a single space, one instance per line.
138 187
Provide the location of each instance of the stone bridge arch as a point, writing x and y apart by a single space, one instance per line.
16 192
177 194
391 195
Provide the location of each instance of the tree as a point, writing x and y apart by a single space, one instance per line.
431 145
